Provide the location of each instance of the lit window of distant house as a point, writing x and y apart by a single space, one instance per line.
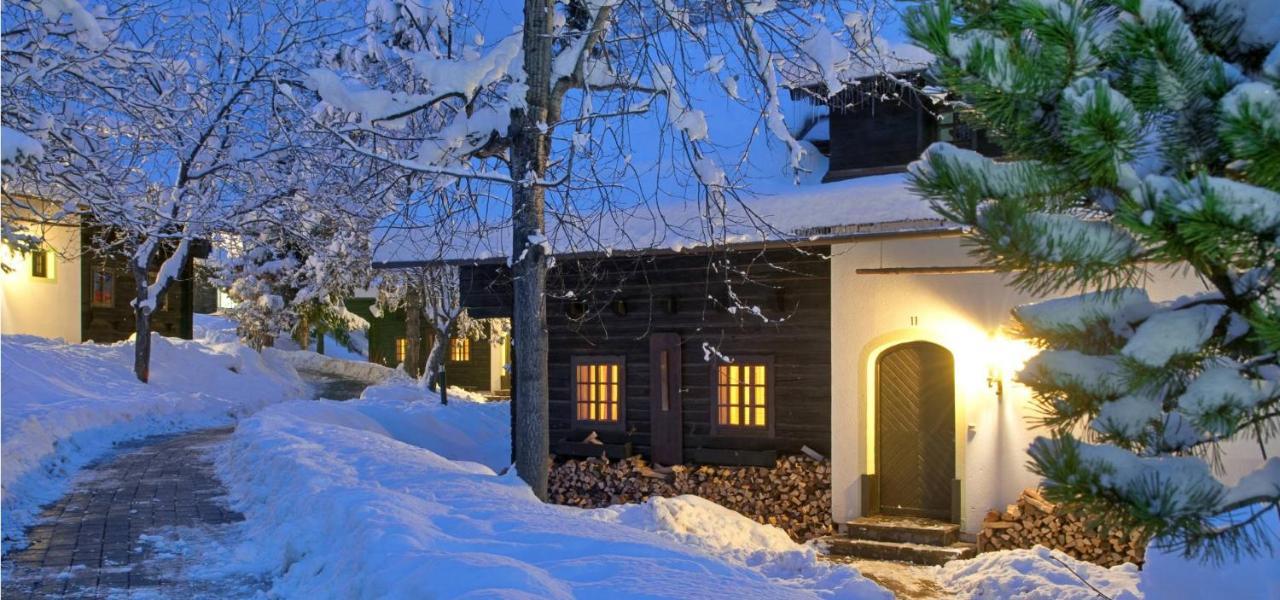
597 389
402 349
40 264
103 289
460 349
744 393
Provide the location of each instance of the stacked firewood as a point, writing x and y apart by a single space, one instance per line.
795 495
1033 520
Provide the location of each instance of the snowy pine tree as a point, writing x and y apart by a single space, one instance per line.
1141 135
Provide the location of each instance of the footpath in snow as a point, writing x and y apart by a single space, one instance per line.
67 404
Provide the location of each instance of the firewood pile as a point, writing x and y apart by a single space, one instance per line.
1033 520
795 495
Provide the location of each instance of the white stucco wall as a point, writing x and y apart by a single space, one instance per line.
48 307
963 313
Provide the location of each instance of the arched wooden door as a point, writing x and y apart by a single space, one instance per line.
915 430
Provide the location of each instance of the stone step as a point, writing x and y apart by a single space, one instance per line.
908 530
920 554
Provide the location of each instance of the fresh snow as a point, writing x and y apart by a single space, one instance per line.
1166 334
67 404
1075 313
771 211
16 147
304 360
1043 574
1101 375
392 496
1166 575
1037 574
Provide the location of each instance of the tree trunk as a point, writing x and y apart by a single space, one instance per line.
435 359
413 331
302 334
319 341
529 151
141 325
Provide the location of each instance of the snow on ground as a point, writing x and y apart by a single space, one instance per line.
67 404
395 496
304 360
1036 574
1168 575
1044 574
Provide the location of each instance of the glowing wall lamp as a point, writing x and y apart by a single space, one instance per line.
995 380
1004 355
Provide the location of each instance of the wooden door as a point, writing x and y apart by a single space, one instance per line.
915 430
665 422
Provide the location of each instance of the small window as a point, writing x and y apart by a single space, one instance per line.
744 394
460 349
597 389
40 264
402 349
104 289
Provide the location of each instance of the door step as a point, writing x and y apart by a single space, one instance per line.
920 554
909 530
903 539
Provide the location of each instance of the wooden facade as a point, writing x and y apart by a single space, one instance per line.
107 289
386 330
882 125
628 310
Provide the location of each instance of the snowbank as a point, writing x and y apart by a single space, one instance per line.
304 360
66 404
1037 574
1169 576
388 497
1041 573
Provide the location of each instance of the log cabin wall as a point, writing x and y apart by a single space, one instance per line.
616 303
110 319
473 373
388 327
882 125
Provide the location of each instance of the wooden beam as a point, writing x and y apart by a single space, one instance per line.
925 270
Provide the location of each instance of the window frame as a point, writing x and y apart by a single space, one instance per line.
770 396
399 351
465 343
594 359
41 257
94 272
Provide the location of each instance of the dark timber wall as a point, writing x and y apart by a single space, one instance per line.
618 302
881 126
384 330
114 323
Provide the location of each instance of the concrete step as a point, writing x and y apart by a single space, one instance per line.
920 554
909 530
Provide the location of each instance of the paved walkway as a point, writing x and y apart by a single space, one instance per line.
128 528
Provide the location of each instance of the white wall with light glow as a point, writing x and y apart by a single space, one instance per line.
43 306
964 313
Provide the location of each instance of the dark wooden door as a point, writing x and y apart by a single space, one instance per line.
915 430
666 424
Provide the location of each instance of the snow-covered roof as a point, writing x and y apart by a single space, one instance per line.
812 213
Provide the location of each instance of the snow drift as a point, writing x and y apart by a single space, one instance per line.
390 496
67 404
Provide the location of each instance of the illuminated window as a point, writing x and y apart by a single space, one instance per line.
460 349
597 389
744 393
40 264
402 349
104 288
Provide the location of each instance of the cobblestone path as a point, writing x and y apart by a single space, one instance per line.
131 527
